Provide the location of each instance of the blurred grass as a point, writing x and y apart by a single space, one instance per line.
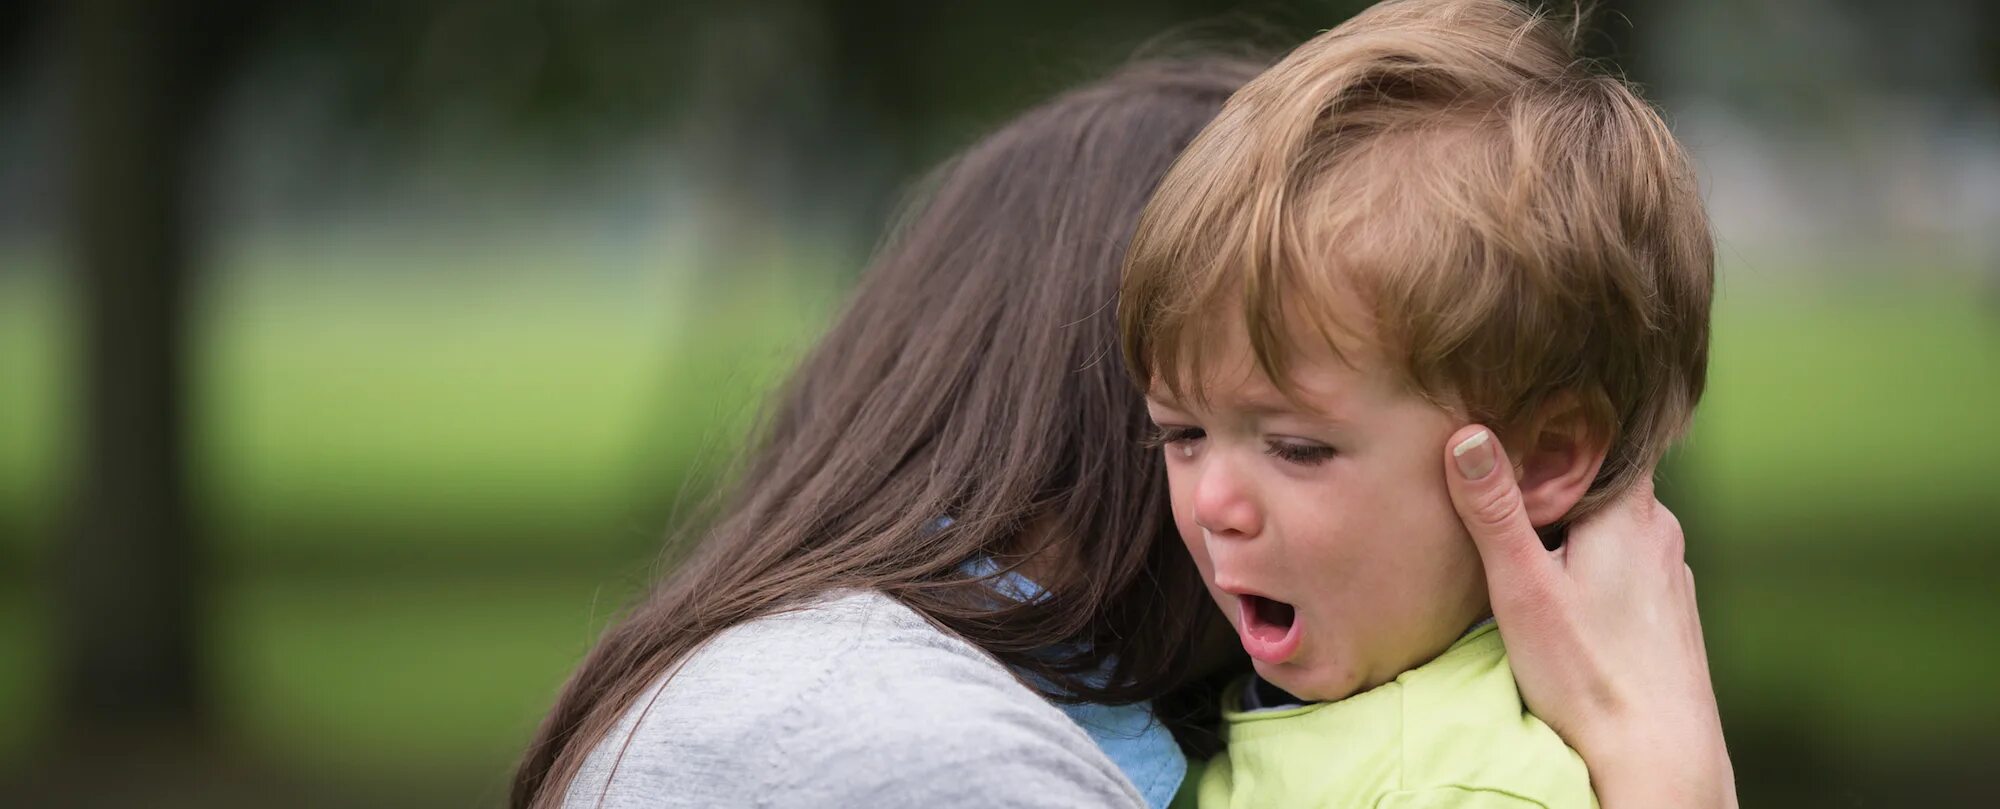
412 408
421 472
1841 501
35 355
1848 395
389 680
414 470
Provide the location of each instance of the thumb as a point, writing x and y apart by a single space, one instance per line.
1519 571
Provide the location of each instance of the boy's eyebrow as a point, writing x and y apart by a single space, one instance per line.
1163 400
1262 406
1260 403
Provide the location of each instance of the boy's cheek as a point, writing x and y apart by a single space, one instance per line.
1191 540
1183 513
1193 544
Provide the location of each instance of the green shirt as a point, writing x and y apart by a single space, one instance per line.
1451 732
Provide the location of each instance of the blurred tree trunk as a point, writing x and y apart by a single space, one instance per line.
127 591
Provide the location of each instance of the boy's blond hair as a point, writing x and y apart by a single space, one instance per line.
1514 225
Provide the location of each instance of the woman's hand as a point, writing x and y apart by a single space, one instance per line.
1603 635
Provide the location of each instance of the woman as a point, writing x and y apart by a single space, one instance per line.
951 502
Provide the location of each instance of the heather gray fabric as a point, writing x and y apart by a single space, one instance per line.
854 701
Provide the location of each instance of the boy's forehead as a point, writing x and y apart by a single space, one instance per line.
1315 384
1319 341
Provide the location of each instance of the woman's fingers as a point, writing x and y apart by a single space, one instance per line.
1530 588
1521 575
1634 601
1603 637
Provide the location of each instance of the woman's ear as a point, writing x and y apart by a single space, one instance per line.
1560 454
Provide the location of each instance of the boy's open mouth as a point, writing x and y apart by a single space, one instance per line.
1269 628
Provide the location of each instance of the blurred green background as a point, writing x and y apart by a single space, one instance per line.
477 299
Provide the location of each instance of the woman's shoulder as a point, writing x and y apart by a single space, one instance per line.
843 641
853 697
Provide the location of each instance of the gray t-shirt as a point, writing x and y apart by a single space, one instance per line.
853 701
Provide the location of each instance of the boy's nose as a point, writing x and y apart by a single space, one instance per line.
1223 504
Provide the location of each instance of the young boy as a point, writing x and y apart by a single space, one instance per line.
1432 215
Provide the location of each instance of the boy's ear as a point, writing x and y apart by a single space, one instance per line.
1558 459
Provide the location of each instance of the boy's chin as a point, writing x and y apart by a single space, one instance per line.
1307 683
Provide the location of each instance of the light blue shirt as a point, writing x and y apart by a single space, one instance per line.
1130 735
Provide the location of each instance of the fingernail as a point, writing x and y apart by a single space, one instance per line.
1474 455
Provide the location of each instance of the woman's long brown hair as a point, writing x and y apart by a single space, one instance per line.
976 375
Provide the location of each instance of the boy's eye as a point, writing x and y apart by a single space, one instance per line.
1305 454
1165 435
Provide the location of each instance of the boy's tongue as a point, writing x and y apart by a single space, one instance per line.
1269 628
